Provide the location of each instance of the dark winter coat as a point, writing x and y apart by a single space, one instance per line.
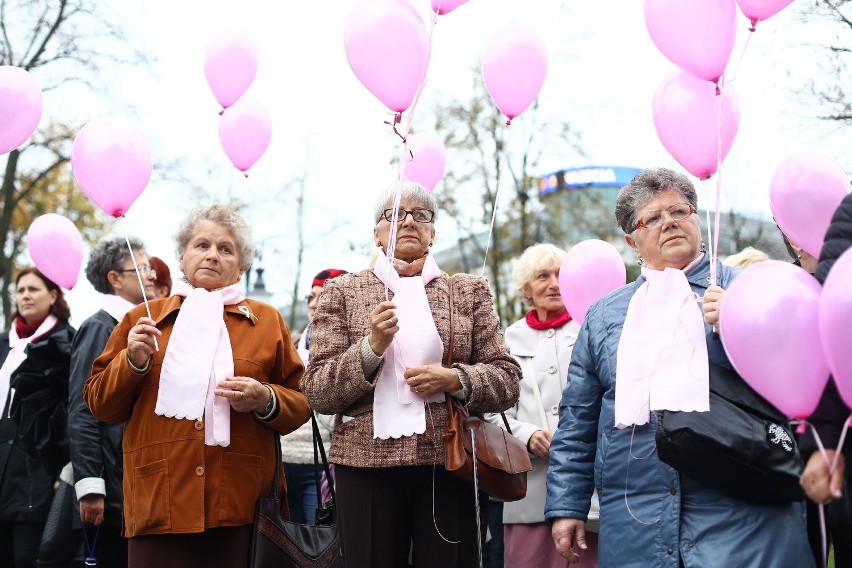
95 445
34 439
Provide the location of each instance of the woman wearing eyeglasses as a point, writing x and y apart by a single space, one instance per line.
377 362
642 348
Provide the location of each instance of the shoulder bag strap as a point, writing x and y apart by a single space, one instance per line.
451 345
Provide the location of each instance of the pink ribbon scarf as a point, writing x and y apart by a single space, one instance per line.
662 355
17 355
397 410
197 357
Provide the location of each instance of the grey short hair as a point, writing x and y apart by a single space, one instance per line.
109 255
642 188
224 215
536 257
410 191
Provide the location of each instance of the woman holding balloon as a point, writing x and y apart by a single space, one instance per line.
35 355
541 342
642 348
204 385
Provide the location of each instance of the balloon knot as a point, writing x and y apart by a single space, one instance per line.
118 213
396 120
509 122
753 24
245 174
718 89
221 112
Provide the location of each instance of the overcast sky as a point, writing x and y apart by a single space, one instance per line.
603 73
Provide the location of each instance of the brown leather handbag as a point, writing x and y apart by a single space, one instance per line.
501 460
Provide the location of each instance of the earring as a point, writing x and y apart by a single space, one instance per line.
799 256
430 244
640 261
703 247
379 244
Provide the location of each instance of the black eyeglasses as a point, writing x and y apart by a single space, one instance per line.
678 212
419 215
144 270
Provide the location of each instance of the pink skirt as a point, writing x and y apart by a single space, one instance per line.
531 544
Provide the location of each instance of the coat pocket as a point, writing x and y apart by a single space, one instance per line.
150 498
241 486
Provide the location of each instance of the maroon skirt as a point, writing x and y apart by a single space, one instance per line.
225 547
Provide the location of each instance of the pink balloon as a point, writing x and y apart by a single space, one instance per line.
442 7
244 131
514 66
429 160
388 50
20 107
696 35
835 313
111 161
590 270
759 10
56 247
230 65
770 329
686 115
805 191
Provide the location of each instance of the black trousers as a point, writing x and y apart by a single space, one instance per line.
386 518
19 544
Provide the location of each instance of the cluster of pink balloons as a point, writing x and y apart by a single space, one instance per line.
21 105
387 47
698 36
785 334
230 66
590 270
781 330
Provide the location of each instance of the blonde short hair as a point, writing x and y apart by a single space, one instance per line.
745 257
536 257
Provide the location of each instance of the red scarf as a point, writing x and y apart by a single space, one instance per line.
24 329
558 321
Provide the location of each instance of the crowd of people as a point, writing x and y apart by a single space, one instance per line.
146 436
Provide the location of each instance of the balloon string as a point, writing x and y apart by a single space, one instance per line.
503 159
706 185
739 63
138 275
714 254
391 245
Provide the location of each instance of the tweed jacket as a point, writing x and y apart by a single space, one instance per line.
173 482
335 383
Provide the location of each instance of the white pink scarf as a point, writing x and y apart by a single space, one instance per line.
17 355
199 355
397 410
116 306
662 355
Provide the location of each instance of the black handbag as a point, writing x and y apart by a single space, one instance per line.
744 446
279 543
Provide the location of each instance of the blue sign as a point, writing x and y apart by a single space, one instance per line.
590 176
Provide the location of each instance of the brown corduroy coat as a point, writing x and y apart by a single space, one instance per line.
334 381
173 482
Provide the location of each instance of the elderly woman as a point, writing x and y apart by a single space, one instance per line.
379 338
644 347
35 355
542 343
203 387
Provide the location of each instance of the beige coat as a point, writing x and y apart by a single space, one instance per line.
544 356
173 482
335 383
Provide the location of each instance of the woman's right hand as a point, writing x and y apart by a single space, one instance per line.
539 444
821 484
383 326
140 341
566 534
